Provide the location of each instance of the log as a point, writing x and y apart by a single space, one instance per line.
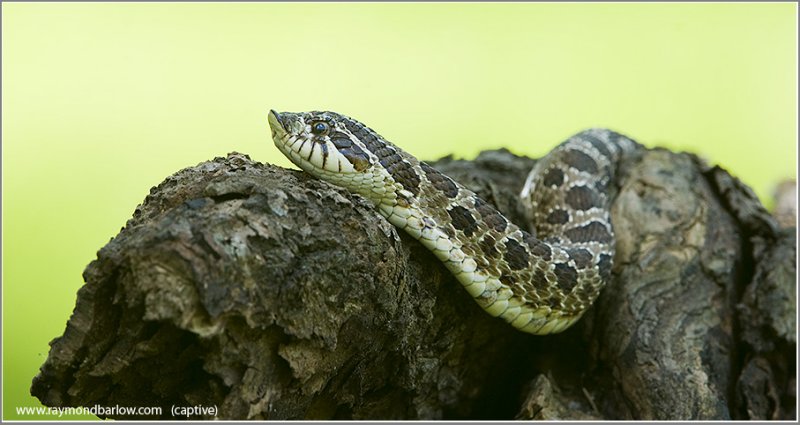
268 294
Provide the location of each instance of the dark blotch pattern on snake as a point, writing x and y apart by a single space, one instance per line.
539 280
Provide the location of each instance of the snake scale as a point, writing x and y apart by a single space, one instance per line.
540 281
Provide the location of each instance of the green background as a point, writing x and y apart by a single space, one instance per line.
103 101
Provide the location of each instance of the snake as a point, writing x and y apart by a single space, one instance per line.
540 279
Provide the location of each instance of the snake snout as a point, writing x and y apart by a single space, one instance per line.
275 120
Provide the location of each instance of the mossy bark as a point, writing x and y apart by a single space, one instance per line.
271 295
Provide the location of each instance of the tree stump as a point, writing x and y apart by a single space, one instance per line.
269 294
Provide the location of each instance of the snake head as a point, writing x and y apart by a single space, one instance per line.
320 143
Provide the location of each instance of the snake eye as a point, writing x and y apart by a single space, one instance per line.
319 127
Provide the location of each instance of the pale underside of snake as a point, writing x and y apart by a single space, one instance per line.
540 280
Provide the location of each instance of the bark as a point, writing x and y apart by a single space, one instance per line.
271 295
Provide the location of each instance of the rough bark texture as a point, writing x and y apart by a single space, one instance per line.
272 295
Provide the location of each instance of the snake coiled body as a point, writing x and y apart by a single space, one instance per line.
540 280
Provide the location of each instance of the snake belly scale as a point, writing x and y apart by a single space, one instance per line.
540 281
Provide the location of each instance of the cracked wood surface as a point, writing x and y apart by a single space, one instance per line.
273 295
